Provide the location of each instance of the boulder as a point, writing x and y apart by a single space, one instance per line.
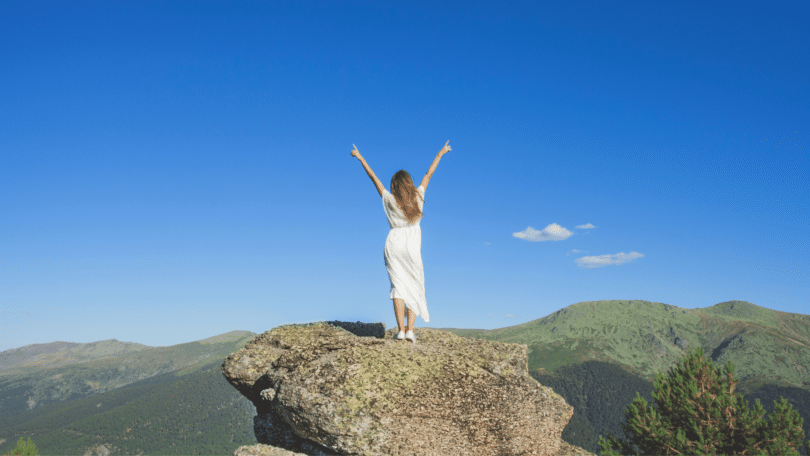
320 389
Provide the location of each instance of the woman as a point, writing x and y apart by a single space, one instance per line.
403 257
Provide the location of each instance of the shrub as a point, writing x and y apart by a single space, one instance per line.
24 448
698 412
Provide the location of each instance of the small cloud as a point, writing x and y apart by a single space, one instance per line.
586 226
552 232
510 316
487 243
489 315
576 251
606 260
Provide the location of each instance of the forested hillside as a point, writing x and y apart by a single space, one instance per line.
200 413
84 370
599 393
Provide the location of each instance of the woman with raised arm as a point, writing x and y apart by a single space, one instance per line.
403 256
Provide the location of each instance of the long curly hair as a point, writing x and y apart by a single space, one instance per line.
405 193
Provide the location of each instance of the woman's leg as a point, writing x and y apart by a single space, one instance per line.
399 311
411 319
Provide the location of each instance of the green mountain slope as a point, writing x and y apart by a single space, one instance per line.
599 393
57 354
647 337
89 369
199 413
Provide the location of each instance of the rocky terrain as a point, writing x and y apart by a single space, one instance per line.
321 389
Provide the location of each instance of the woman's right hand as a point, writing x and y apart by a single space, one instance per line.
356 153
446 148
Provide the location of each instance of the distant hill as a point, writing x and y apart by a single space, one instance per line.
197 413
127 397
131 398
56 354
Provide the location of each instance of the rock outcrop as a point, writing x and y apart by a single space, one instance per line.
320 389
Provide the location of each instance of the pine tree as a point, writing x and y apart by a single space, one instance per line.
24 448
698 412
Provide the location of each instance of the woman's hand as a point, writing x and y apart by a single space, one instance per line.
445 148
356 153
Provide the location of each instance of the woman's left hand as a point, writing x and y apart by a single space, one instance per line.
356 153
446 148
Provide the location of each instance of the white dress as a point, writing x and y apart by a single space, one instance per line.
403 256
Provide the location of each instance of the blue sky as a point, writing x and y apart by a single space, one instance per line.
170 171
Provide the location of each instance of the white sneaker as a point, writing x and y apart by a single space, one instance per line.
400 335
410 336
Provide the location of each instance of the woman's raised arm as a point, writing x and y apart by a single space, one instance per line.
377 183
444 150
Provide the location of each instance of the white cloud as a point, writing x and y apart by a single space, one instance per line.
576 251
586 227
606 260
511 316
552 232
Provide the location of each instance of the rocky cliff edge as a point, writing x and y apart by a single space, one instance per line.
322 389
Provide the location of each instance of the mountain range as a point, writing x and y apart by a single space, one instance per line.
113 397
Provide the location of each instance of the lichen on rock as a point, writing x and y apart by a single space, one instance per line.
322 387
